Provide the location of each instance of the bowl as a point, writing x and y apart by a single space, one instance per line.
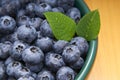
81 5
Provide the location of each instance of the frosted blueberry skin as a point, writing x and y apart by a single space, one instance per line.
71 54
12 68
17 48
23 20
59 46
2 70
74 13
81 43
78 64
45 44
33 55
26 78
54 61
42 8
26 33
65 73
45 29
7 25
45 75
5 49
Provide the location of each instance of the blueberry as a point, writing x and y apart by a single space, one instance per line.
26 78
71 54
41 8
12 7
50 2
5 49
34 75
74 13
45 44
23 20
2 11
59 46
35 22
65 4
45 29
17 49
11 78
9 60
45 75
3 2
54 61
7 25
39 35
2 70
26 33
12 68
23 71
58 9
20 13
78 64
32 55
65 73
81 43
62 2
11 37
35 68
30 9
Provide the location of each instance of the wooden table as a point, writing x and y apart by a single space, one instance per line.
107 62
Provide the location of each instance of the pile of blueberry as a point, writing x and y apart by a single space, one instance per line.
28 48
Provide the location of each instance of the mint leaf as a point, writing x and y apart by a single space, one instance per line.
89 26
62 26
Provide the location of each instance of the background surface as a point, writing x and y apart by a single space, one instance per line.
107 62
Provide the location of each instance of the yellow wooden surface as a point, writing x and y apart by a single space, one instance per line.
107 62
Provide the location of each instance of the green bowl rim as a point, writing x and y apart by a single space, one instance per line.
81 5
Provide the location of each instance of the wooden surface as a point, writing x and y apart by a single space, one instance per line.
107 62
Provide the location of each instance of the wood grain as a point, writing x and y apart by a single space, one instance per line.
107 62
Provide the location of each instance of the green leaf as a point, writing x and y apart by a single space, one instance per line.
62 26
89 26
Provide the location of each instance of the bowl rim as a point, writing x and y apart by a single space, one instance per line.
82 6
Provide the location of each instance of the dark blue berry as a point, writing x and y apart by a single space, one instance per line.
42 8
11 78
59 46
35 68
5 49
23 71
65 4
2 70
32 55
45 44
65 73
74 13
26 78
35 22
39 35
26 33
54 61
50 2
45 29
71 54
17 49
20 13
30 9
9 60
7 25
45 75
78 64
58 9
23 20
12 68
34 75
81 43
